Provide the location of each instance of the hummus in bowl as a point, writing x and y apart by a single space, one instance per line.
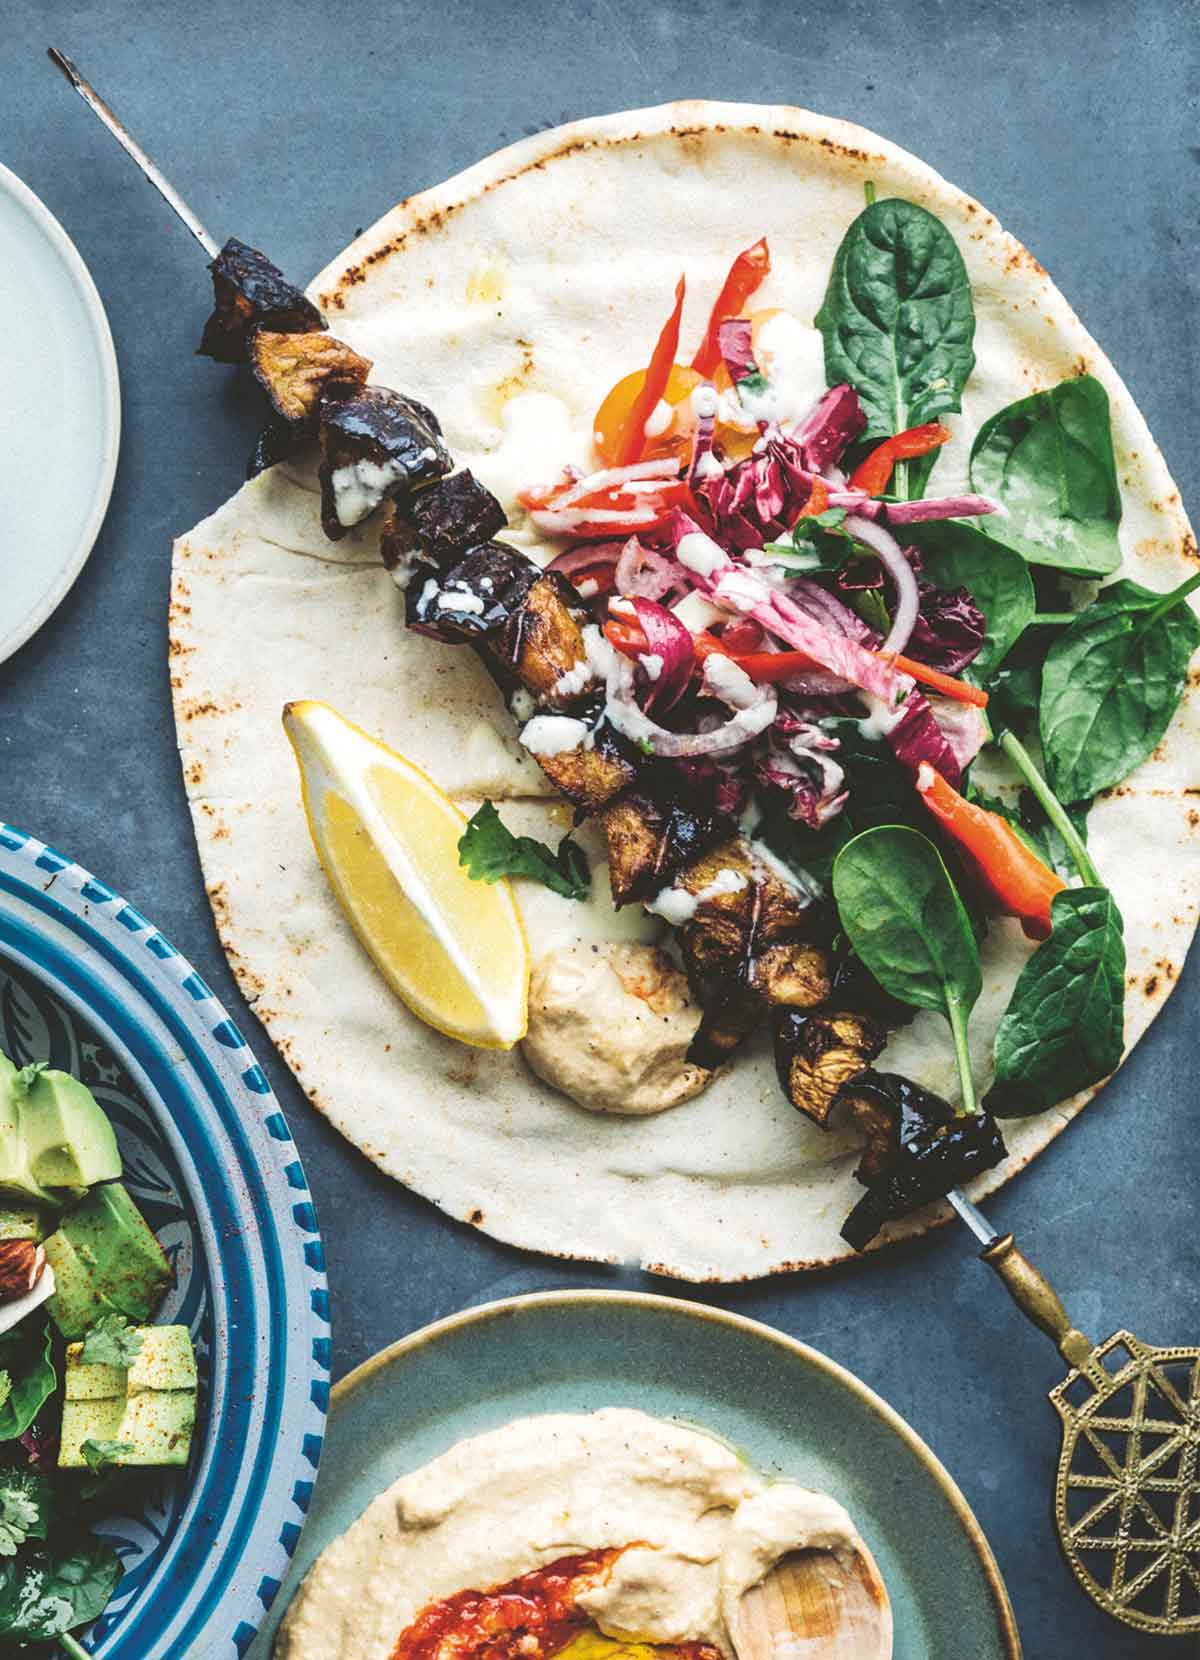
564 1534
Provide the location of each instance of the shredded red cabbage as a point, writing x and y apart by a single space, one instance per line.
916 736
737 352
643 572
828 430
670 652
949 631
798 762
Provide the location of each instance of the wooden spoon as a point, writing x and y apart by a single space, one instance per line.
815 1605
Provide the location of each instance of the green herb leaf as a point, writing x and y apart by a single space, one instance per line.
1048 460
102 1455
26 1508
903 916
6 1386
1063 1029
26 1356
1111 683
24 1079
112 1341
489 850
897 318
47 1592
754 383
956 555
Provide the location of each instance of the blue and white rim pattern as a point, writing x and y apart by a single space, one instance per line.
206 1589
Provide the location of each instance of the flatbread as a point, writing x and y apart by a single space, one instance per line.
548 268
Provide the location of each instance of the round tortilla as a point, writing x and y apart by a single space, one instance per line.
549 267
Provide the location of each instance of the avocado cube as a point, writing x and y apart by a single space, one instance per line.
106 1260
88 1421
12 1159
69 1142
158 1426
151 1407
27 1222
166 1360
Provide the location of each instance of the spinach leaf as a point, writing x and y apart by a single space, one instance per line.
1111 683
1048 460
25 1354
112 1341
957 555
46 1592
489 850
26 1506
904 918
1064 1027
897 318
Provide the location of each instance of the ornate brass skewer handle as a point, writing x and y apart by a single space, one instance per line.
1039 1302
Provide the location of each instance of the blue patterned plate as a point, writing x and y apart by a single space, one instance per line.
89 984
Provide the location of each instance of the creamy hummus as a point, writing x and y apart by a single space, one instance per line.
701 1527
610 1025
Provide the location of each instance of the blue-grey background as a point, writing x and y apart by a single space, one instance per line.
295 124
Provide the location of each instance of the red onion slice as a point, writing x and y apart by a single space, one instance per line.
891 556
634 724
644 572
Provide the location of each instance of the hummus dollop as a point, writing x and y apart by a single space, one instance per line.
610 1025
693 1526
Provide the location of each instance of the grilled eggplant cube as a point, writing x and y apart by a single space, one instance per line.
476 600
452 515
543 644
915 1149
594 773
250 292
649 844
817 1053
374 445
298 371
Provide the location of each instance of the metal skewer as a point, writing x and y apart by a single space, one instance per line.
132 148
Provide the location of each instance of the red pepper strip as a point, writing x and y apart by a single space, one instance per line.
627 636
1012 873
960 690
632 440
874 474
818 500
767 667
745 274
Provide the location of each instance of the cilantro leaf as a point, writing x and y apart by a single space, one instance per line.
754 383
26 1508
112 1341
6 1385
25 1077
489 850
101 1455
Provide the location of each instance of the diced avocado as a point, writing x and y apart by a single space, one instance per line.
12 1161
106 1260
88 1421
27 1222
69 1141
151 1407
166 1360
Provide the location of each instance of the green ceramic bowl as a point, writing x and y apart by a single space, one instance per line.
789 1409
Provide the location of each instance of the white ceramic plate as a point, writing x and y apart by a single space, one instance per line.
60 413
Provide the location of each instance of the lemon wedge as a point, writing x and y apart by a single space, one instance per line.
454 949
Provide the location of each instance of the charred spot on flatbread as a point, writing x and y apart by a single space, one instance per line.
915 1149
297 370
818 1053
375 445
452 515
250 292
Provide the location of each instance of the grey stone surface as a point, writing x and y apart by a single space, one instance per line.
294 125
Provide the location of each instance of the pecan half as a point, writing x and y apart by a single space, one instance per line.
21 1266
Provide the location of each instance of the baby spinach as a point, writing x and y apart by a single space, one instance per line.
957 555
1064 1027
897 318
25 1354
1048 460
489 850
1111 683
904 918
48 1591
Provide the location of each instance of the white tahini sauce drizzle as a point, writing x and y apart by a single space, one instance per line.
554 734
700 553
359 487
460 599
652 663
659 420
724 679
677 905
